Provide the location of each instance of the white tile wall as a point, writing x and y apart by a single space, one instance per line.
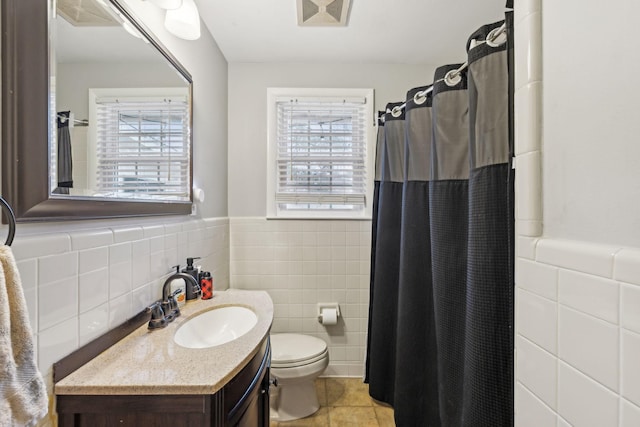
81 284
578 303
583 345
301 263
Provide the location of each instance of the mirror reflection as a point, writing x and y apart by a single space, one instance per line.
122 111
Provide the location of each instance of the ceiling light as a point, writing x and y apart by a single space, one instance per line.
167 4
184 22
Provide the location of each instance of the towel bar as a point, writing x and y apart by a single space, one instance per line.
12 221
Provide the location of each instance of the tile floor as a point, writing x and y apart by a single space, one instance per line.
344 402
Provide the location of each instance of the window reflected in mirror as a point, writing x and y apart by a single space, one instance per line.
122 112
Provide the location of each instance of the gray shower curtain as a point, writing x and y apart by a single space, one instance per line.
380 368
440 325
65 163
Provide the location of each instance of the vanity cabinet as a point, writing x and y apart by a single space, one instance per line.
243 401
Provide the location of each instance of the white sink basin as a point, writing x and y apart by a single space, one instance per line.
215 327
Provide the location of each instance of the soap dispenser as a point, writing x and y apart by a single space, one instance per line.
190 269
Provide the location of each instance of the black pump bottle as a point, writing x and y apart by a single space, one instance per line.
190 269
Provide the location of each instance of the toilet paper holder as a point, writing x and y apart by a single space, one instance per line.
323 305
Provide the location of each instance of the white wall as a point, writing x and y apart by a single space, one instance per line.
591 126
248 85
578 267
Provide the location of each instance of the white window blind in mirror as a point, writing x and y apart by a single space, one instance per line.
321 154
142 147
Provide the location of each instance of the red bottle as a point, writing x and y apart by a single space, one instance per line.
206 284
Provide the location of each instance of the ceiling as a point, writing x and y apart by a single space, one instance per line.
378 31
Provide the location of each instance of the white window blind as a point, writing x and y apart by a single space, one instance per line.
142 147
321 154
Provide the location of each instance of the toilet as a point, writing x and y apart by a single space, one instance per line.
296 361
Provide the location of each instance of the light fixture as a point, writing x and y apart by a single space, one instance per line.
167 4
184 22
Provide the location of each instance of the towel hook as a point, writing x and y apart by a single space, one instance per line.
12 221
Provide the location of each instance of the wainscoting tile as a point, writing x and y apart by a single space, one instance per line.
119 310
584 402
528 55
526 247
153 231
56 342
630 310
531 411
25 247
28 269
93 289
93 323
127 234
90 239
120 253
93 259
630 374
590 294
537 319
529 186
57 302
528 119
531 361
524 8
537 278
57 267
119 279
579 256
590 345
627 266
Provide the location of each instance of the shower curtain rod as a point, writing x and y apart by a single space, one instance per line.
77 122
451 78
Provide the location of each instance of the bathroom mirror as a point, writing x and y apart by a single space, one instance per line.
96 114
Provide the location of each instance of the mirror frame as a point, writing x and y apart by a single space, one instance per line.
26 123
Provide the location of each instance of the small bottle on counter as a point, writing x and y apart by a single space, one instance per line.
206 284
181 297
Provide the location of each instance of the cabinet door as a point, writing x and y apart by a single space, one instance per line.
134 411
252 410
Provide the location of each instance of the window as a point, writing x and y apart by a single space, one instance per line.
141 144
320 152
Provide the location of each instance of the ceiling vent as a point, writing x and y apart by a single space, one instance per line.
323 13
85 13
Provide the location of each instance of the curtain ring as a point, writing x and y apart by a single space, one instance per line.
396 111
419 98
497 37
452 78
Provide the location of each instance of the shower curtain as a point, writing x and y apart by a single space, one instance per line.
440 346
65 164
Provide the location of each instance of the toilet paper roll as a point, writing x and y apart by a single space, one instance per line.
329 316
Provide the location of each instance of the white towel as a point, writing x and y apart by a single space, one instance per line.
23 395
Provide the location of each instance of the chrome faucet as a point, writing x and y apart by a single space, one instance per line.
165 311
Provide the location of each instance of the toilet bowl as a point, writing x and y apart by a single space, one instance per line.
296 361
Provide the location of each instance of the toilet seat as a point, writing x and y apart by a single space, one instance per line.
293 350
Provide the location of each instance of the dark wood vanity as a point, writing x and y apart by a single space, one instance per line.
243 401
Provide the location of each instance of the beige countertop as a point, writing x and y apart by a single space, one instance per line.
150 362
